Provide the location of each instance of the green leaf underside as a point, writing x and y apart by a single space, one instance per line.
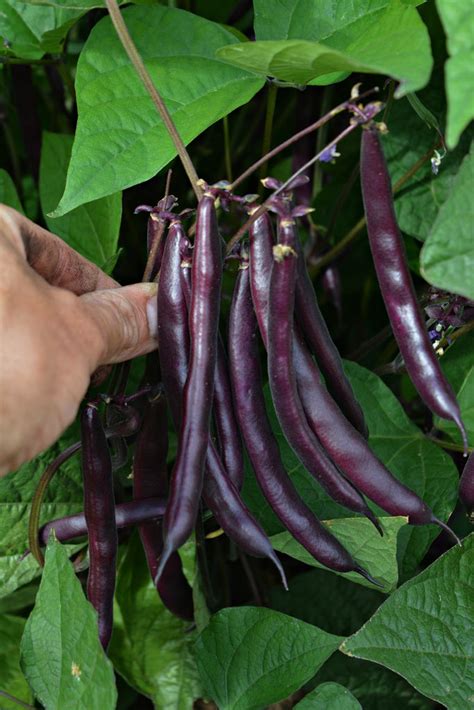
425 630
60 651
381 42
150 647
8 193
458 20
447 257
458 366
30 31
12 680
120 139
250 657
91 229
330 696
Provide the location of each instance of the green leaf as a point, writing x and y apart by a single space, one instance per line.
61 655
381 42
447 257
423 112
19 600
12 680
8 193
151 648
411 457
91 229
458 20
377 554
458 366
30 31
250 657
330 696
120 139
425 630
341 610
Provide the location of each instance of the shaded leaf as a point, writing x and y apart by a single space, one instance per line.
12 680
458 366
250 657
61 654
425 630
447 258
458 20
120 139
91 229
8 193
330 696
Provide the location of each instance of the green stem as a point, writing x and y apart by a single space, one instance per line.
227 155
268 129
321 139
448 445
132 52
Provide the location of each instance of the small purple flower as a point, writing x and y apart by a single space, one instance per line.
328 155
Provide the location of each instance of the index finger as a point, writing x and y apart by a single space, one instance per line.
53 259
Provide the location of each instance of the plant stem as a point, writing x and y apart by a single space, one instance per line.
131 50
227 155
321 139
43 483
261 209
448 445
359 226
296 137
267 131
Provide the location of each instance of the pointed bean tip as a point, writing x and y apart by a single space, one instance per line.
375 521
280 569
446 528
363 572
165 555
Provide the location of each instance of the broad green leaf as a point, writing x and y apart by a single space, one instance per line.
458 20
330 696
458 366
379 43
250 657
61 655
8 193
19 600
120 140
91 229
413 459
151 648
447 258
12 680
425 630
30 31
377 554
341 610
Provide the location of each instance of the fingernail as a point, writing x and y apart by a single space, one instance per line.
152 316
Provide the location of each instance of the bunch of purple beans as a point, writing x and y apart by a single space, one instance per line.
215 394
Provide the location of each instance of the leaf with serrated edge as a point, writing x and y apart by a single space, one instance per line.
61 654
120 140
250 657
425 630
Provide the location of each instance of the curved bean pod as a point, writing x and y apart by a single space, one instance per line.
99 513
261 444
466 486
282 378
396 285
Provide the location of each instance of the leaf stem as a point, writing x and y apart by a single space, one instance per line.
268 129
321 139
227 152
135 58
448 444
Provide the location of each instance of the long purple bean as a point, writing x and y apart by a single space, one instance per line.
260 441
319 339
150 479
227 430
282 377
133 512
396 285
220 494
99 512
342 441
188 472
466 486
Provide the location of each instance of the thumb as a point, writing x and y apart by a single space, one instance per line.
123 322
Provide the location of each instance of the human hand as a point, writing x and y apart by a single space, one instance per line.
61 317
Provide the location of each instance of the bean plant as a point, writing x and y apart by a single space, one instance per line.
273 509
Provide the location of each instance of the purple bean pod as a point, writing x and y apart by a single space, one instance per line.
346 446
150 480
282 377
99 513
128 514
220 494
396 284
260 441
466 487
